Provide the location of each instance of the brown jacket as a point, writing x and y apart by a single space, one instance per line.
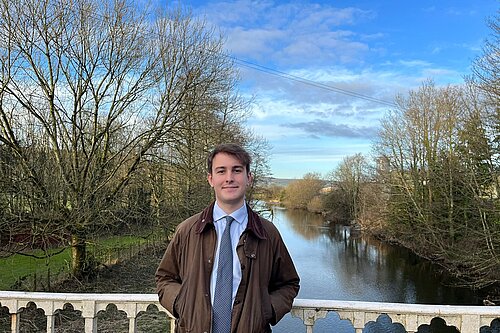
269 280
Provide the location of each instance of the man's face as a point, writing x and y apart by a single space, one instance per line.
229 178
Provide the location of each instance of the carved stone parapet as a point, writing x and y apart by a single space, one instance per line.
362 315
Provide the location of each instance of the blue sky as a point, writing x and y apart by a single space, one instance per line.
376 49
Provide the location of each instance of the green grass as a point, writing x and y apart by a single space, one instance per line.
19 266
116 241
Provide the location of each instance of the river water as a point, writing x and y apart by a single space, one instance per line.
334 263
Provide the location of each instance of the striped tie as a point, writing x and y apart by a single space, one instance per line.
223 297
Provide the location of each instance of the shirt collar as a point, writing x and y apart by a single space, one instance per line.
238 215
206 217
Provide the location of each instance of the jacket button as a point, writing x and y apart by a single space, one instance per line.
209 261
236 301
252 255
206 295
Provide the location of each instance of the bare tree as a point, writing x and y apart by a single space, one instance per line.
300 192
486 67
484 90
350 176
89 91
440 181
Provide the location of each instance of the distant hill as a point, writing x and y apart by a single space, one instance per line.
282 181
279 181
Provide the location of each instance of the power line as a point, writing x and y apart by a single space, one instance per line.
302 80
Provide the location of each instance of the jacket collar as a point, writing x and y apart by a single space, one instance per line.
254 225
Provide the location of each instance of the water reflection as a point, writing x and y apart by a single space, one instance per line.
335 264
307 225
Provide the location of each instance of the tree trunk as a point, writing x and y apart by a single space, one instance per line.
78 255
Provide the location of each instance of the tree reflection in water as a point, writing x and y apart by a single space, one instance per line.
337 264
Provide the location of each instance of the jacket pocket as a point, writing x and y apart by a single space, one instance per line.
179 308
267 308
180 328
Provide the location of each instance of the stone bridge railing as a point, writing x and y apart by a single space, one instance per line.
364 316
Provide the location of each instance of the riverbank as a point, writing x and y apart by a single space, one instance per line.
489 295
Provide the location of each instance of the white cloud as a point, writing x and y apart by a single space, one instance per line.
290 33
253 43
265 107
351 50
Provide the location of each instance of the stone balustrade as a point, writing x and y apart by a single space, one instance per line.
364 316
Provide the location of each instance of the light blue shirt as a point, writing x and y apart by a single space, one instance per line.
239 225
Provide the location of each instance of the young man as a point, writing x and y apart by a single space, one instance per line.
239 281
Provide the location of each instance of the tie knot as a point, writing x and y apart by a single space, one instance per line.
229 220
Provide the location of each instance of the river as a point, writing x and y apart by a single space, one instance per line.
334 263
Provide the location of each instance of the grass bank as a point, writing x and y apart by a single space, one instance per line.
36 270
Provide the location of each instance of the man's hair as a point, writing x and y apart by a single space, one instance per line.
231 149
